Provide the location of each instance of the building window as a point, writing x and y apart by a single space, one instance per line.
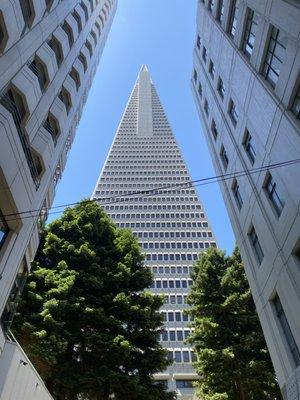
198 42
14 296
211 4
286 330
212 69
78 20
195 76
206 108
40 72
274 196
74 74
89 47
249 147
186 356
296 104
233 113
51 125
224 157
27 12
275 57
64 96
183 384
250 32
84 7
3 229
256 245
204 54
178 356
56 47
236 193
66 27
83 61
233 19
220 14
214 129
200 89
221 88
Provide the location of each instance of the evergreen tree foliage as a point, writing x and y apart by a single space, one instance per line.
85 318
233 362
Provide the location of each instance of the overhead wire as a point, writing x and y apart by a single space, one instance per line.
148 192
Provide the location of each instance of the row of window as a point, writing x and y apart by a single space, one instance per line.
162 224
173 269
147 172
139 177
157 199
154 207
275 52
178 335
171 283
271 189
158 216
189 234
182 356
176 316
180 383
157 192
179 257
175 299
172 245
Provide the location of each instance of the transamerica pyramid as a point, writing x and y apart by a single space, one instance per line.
145 185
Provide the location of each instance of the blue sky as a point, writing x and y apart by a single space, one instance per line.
159 33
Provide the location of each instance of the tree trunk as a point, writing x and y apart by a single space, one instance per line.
242 395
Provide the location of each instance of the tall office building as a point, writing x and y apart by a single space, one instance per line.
144 185
246 86
49 52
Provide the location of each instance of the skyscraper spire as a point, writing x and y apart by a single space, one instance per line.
145 186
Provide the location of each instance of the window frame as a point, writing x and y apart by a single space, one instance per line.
4 229
251 22
273 195
255 244
248 146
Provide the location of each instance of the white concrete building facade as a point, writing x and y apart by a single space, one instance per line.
246 84
49 52
145 186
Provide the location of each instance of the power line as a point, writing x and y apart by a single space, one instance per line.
161 190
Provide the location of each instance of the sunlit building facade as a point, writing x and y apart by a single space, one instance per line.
145 186
246 84
49 53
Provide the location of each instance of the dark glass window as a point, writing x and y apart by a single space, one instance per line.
183 384
66 27
3 229
206 108
186 356
56 47
249 147
220 14
204 54
274 195
198 42
224 157
211 4
233 19
250 32
27 11
287 330
65 98
178 358
237 194
256 245
195 76
172 336
296 104
212 69
180 336
221 88
39 71
200 91
82 59
233 112
275 56
164 336
78 20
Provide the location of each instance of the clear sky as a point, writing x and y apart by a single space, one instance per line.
161 34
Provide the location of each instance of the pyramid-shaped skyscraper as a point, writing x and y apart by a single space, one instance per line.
145 186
